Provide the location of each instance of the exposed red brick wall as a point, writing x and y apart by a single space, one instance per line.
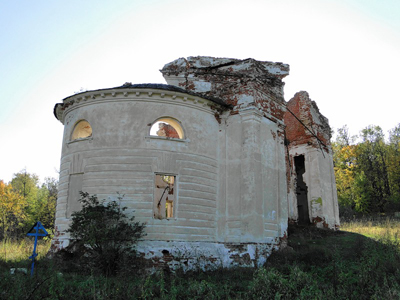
308 113
167 131
232 79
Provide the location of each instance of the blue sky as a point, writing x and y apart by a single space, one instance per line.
345 53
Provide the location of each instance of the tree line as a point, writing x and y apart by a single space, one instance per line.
24 201
367 170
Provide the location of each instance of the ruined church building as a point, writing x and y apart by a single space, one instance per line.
216 162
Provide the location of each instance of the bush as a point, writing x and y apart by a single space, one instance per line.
105 235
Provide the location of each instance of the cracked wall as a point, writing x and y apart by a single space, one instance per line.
308 134
240 83
230 154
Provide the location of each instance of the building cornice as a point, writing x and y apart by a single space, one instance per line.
144 92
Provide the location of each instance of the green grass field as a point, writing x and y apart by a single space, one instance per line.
362 261
377 229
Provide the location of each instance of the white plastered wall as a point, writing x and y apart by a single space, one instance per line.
320 179
122 157
230 173
252 179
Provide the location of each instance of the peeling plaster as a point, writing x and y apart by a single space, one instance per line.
205 256
236 187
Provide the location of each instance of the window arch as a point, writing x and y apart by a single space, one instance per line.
167 127
81 130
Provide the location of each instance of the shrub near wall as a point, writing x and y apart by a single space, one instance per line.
102 236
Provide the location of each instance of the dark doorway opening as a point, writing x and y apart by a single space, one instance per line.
301 191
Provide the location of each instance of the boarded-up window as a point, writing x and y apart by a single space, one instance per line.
164 196
75 186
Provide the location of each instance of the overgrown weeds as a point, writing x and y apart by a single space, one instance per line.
13 250
317 264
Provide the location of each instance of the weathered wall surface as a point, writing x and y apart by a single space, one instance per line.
308 113
230 165
121 156
252 146
253 185
206 256
320 180
229 171
311 140
240 83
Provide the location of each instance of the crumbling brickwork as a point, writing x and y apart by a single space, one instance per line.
304 122
240 83
167 131
312 189
238 155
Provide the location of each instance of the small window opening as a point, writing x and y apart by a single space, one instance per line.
81 130
164 196
301 191
167 127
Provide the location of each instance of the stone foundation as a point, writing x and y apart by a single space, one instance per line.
205 256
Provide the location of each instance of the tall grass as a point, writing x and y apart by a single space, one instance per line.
12 250
378 228
318 264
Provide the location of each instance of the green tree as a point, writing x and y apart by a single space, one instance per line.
372 161
344 159
368 173
25 184
394 164
12 209
40 200
45 207
46 200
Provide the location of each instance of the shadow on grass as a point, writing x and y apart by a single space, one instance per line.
346 265
317 264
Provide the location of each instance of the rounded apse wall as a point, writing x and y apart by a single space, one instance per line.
168 179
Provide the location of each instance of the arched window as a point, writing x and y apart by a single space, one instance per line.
81 130
167 127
